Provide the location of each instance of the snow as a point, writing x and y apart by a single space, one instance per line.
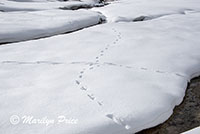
193 131
115 78
10 6
132 9
42 19
18 26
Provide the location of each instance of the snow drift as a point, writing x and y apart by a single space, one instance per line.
114 78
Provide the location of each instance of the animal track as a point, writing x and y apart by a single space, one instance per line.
92 66
118 120
101 54
83 88
145 69
33 62
77 82
91 95
81 72
158 71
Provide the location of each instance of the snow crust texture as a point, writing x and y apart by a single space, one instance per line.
115 78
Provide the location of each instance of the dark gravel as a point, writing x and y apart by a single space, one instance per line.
185 117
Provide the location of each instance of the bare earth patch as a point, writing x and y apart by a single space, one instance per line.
185 117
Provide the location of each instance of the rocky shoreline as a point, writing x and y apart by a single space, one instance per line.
185 117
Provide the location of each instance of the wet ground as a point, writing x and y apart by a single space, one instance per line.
185 117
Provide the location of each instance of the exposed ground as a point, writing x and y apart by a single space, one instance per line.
185 117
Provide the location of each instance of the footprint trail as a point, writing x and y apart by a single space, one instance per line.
92 66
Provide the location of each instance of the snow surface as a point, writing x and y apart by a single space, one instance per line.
30 20
8 6
193 131
18 26
115 78
132 9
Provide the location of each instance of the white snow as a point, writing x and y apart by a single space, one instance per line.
8 6
115 78
193 131
18 26
30 20
127 10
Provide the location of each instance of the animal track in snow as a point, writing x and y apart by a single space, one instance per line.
83 88
91 64
77 82
81 72
146 69
143 68
100 55
91 96
91 68
118 120
32 62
